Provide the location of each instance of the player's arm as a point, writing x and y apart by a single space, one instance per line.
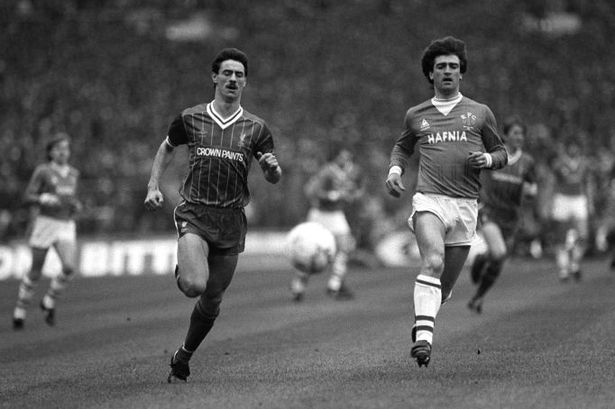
33 193
400 155
496 156
530 187
177 135
75 204
265 156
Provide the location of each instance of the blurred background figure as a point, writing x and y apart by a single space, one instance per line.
52 193
330 190
500 212
570 210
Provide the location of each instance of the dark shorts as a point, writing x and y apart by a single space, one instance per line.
508 222
223 229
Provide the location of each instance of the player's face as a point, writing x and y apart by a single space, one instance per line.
230 80
60 152
446 75
515 137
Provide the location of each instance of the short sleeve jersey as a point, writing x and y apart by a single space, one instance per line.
220 154
445 142
48 178
502 189
570 175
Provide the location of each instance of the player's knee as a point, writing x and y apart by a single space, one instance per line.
434 263
498 255
192 287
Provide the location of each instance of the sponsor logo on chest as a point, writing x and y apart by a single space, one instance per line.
221 153
446 136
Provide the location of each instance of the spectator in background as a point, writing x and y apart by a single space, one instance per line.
329 191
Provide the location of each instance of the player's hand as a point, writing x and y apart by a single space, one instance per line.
334 195
154 199
394 185
478 160
267 161
49 199
76 206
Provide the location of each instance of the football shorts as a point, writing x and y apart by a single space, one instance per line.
459 216
223 229
46 231
334 220
569 207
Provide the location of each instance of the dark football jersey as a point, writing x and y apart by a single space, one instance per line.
502 189
445 142
50 178
570 175
220 153
332 179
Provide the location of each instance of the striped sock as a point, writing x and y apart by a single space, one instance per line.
427 301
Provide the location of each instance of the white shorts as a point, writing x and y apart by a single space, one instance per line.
458 215
569 207
47 231
334 220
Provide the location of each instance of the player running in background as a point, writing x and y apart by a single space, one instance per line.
336 185
570 212
456 138
222 140
500 210
52 190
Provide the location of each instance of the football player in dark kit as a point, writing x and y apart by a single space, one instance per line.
456 138
222 140
501 197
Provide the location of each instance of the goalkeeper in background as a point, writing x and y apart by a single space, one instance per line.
336 185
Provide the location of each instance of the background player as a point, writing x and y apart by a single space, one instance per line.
336 185
222 139
570 209
500 209
52 189
456 138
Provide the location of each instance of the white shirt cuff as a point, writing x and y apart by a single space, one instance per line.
489 160
395 169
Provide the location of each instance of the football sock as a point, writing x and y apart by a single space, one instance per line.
562 259
299 283
489 277
575 257
57 286
427 300
478 267
200 325
25 293
338 271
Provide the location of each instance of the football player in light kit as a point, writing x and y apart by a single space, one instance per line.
222 140
337 184
52 190
500 206
570 210
456 138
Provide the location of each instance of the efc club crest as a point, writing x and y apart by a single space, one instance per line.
469 120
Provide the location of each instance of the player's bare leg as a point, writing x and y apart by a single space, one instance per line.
67 252
28 286
577 248
429 231
495 256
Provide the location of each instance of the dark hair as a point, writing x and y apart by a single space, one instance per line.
512 121
444 46
53 141
230 54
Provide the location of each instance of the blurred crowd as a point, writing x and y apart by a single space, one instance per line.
113 74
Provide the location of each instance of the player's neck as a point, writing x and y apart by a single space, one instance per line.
445 96
225 108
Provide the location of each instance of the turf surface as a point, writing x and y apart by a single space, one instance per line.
538 344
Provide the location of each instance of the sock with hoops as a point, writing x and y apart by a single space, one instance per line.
427 301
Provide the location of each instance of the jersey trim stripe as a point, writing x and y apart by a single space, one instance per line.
223 123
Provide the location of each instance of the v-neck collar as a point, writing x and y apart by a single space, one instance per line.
447 105
222 122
